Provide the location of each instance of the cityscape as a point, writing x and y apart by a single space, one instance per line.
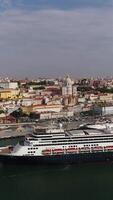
26 104
56 99
48 98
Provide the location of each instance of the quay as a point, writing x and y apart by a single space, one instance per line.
10 133
18 124
15 130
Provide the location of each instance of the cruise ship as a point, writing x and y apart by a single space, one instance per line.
59 146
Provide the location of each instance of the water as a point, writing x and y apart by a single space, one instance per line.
86 181
9 141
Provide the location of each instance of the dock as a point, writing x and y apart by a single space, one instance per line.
11 134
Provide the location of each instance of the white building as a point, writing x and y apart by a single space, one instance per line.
9 85
27 102
13 85
107 110
68 88
74 87
55 115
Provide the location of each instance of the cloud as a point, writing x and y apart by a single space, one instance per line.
55 42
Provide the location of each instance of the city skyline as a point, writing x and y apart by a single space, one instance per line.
52 38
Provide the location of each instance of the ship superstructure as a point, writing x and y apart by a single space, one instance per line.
57 145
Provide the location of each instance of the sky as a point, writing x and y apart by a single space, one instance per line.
56 37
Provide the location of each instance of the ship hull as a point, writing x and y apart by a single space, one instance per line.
58 159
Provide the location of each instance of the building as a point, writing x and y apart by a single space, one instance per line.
9 93
8 85
106 97
5 94
7 119
69 101
47 108
107 110
68 88
42 108
55 115
26 102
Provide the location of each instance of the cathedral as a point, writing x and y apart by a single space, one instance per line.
68 89
69 92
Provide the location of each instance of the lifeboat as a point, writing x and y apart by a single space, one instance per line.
46 151
58 151
97 148
71 150
84 149
109 148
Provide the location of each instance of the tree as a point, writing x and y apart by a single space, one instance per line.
1 111
18 113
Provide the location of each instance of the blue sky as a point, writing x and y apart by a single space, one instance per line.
57 4
56 37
